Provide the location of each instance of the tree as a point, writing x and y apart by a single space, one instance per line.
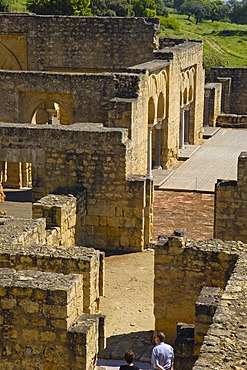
4 7
161 9
59 7
200 9
219 11
238 11
144 8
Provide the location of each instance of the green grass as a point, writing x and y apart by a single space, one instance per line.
224 41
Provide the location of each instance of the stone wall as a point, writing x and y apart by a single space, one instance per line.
236 95
182 269
225 344
79 43
183 56
231 205
27 249
90 158
200 301
212 103
39 328
49 300
232 121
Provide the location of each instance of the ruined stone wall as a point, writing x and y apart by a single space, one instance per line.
85 97
183 56
49 317
87 157
118 100
212 105
231 205
38 314
225 343
238 91
23 246
81 43
182 269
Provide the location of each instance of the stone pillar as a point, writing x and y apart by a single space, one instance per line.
149 159
51 113
206 107
187 125
158 145
26 175
181 130
226 93
14 175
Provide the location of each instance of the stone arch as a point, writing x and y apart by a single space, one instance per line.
50 112
36 106
8 61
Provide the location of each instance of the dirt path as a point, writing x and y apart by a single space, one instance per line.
128 300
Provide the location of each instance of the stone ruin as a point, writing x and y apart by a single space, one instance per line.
200 286
85 116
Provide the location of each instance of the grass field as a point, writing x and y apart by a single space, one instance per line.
224 43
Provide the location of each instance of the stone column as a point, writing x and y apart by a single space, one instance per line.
181 129
226 93
158 145
51 113
14 175
26 175
187 125
206 107
149 159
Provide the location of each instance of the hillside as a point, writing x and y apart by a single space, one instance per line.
224 43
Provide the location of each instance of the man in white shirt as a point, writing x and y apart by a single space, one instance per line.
163 354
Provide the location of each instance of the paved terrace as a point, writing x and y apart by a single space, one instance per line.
216 159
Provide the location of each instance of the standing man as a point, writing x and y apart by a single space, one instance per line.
163 354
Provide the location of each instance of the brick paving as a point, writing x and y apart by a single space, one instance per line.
193 211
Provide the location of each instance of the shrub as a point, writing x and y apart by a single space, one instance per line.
169 22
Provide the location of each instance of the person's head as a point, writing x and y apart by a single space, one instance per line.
159 337
129 356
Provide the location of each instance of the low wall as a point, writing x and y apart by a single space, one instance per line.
94 160
182 269
231 205
232 121
37 313
235 91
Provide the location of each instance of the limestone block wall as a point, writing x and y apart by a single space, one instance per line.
206 305
84 97
224 345
231 205
58 43
91 158
238 89
22 246
63 259
59 211
212 106
182 56
21 231
38 311
232 120
182 269
116 100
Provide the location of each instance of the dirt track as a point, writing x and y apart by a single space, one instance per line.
128 300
